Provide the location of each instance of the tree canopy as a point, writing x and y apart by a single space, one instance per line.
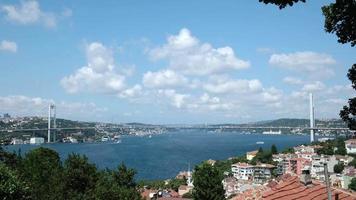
282 3
207 183
348 113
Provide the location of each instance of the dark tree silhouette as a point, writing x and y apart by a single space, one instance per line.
282 3
340 18
207 183
348 113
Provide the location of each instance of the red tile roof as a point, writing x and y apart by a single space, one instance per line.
292 189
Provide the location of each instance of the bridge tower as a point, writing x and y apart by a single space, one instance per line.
312 120
51 108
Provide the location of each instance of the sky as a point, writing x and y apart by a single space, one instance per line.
170 62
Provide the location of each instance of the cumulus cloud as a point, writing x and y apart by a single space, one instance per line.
132 92
164 78
9 46
187 54
177 100
99 75
292 80
314 86
233 86
20 105
29 12
306 61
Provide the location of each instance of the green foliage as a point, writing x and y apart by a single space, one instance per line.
274 149
207 183
327 148
340 18
352 185
340 145
79 177
152 184
338 168
288 150
107 188
348 113
188 195
353 163
175 183
124 177
42 170
281 3
262 157
40 175
11 187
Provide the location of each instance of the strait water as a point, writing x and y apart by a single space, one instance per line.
163 156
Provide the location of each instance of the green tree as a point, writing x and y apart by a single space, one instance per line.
207 183
108 189
125 176
11 187
80 177
352 185
42 170
338 168
340 145
274 149
353 163
348 113
340 18
175 183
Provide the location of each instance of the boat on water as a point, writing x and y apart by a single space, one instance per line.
270 132
260 142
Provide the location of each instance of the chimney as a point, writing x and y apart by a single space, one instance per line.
336 196
305 177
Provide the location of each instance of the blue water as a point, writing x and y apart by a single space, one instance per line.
163 156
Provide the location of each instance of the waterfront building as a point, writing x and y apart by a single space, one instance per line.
350 146
251 154
15 141
36 140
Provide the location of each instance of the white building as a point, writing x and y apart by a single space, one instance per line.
37 140
242 171
350 146
16 141
231 186
317 166
257 173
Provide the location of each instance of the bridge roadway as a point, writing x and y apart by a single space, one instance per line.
183 127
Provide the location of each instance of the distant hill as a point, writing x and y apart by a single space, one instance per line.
299 123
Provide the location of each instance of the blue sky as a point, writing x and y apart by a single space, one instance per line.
170 61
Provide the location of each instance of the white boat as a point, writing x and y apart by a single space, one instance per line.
260 142
270 132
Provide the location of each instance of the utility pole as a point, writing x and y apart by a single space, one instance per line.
327 181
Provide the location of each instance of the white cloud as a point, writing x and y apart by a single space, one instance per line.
98 75
10 46
177 100
313 63
314 86
233 86
292 80
29 12
19 105
133 92
187 54
163 78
